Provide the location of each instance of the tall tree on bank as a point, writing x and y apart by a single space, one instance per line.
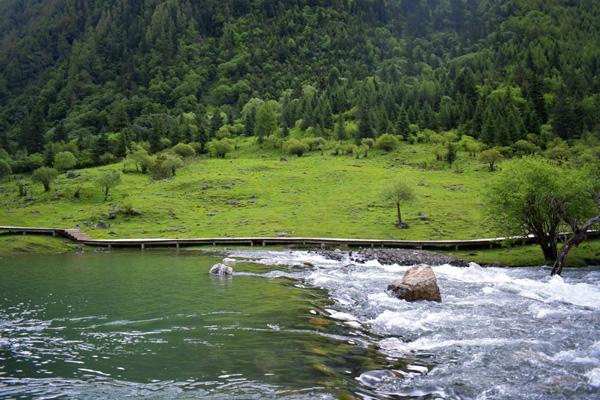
533 196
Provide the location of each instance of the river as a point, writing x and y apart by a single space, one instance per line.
291 325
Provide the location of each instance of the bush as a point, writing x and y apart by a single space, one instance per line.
5 169
184 150
386 142
108 180
315 143
368 142
490 157
295 147
165 167
64 160
220 148
45 176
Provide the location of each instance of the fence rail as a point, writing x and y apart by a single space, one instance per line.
78 236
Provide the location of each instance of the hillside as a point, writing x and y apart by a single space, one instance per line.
95 77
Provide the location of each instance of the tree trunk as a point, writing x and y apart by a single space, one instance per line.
105 194
574 241
549 249
46 187
399 214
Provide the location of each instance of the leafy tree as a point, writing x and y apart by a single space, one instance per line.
173 164
490 157
340 128
141 159
386 142
184 150
266 120
45 176
108 180
399 192
64 160
295 147
533 196
5 169
220 148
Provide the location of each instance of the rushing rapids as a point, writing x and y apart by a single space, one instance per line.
500 332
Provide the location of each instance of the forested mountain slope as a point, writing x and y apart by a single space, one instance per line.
95 76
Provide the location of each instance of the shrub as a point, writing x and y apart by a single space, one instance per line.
141 159
45 176
524 148
184 150
367 142
295 147
386 142
64 160
490 157
315 143
220 148
5 169
108 180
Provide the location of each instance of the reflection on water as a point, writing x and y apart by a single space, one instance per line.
291 325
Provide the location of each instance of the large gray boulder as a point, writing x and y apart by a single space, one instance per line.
221 269
418 283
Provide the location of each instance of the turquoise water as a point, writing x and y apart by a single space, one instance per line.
132 324
291 325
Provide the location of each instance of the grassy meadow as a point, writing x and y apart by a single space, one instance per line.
262 192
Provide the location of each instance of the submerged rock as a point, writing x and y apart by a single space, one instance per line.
221 269
418 283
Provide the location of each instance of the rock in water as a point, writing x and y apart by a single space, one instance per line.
418 283
221 269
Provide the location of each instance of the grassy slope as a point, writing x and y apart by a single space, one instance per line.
314 195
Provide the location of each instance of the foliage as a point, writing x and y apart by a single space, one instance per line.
45 176
220 148
533 196
490 157
5 169
191 72
108 180
184 150
295 147
64 160
399 192
386 142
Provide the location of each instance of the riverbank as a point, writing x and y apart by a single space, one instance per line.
587 254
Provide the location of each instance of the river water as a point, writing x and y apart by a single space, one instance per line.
291 325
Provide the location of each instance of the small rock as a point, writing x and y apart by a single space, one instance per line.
424 217
227 187
58 195
111 215
211 213
72 175
282 234
221 269
283 159
418 283
101 225
229 261
232 202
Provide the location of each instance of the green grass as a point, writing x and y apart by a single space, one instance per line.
18 244
588 253
313 195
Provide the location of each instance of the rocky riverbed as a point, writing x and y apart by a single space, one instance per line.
392 256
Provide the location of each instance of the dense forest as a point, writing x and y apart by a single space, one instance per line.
96 78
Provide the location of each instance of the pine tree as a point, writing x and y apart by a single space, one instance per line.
340 128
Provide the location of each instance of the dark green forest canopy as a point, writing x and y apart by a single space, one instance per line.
99 75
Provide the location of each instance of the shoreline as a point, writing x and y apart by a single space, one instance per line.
588 254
